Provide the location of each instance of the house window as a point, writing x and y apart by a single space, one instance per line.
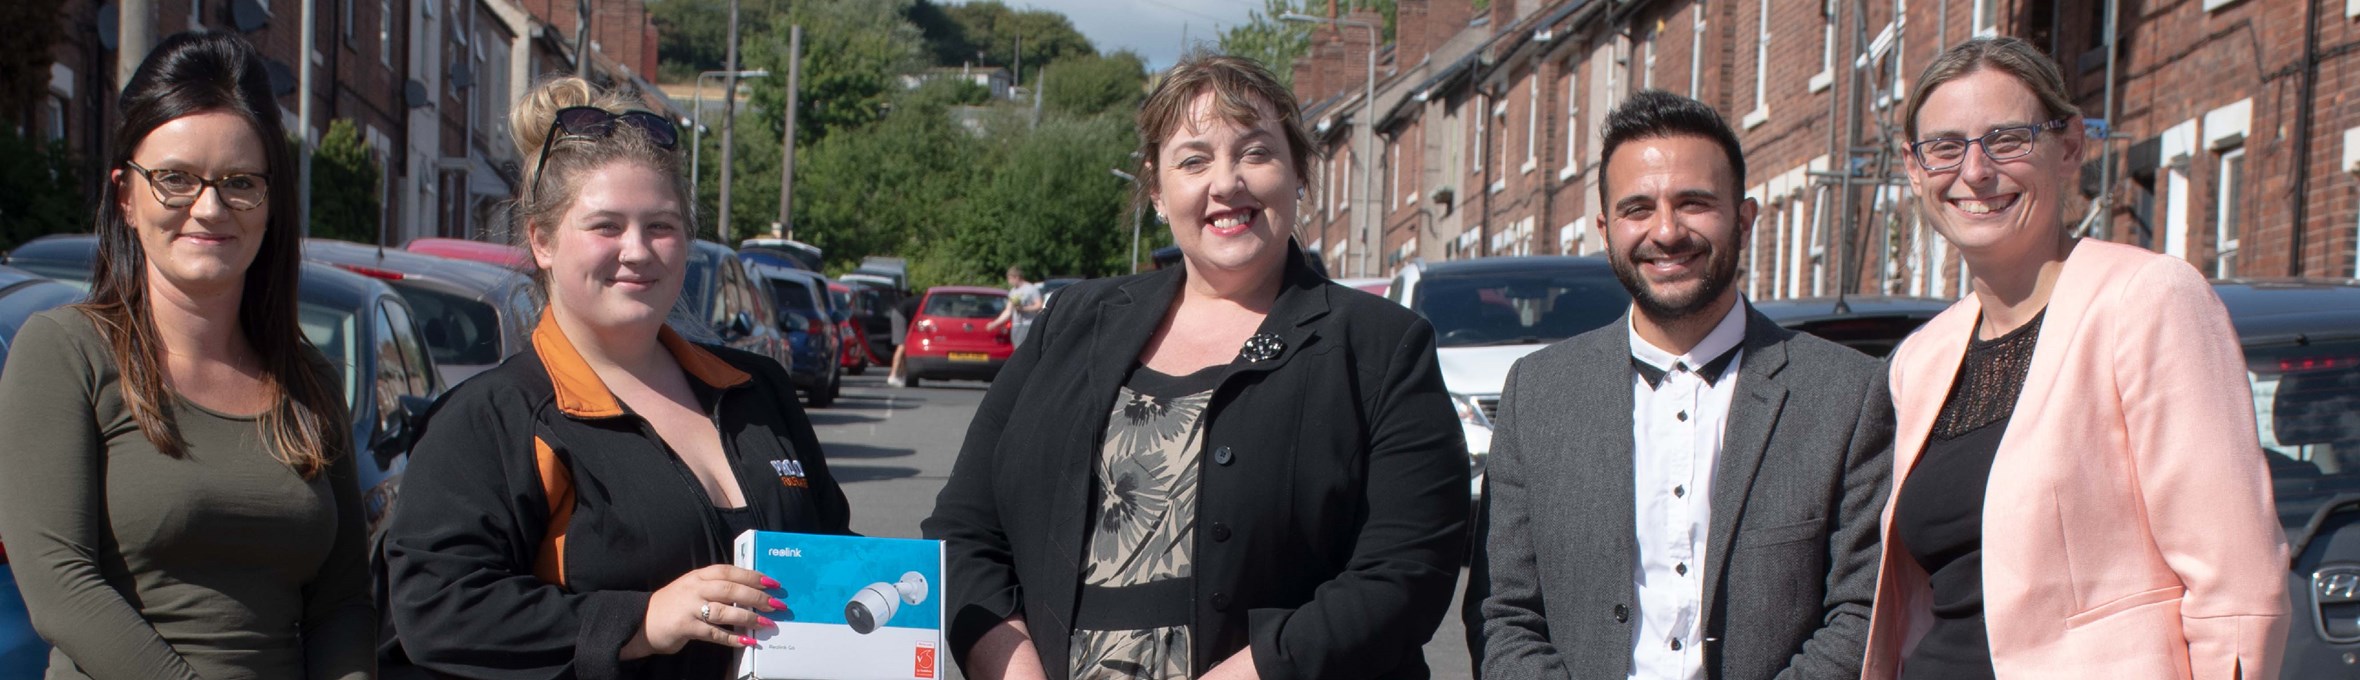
385 32
1761 110
54 116
344 20
1827 48
1344 180
1532 122
1987 17
1647 69
1475 163
1499 156
2231 184
1573 129
1393 165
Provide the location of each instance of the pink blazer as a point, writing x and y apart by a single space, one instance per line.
2128 528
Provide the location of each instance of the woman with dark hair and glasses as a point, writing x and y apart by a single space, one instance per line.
569 513
179 494
2078 490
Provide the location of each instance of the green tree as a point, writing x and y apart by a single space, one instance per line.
991 33
39 189
695 33
346 182
1088 84
854 55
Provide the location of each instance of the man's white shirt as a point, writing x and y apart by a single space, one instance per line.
1676 428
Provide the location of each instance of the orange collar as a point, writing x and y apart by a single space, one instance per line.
581 394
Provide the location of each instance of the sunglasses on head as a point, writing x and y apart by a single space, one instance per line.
590 122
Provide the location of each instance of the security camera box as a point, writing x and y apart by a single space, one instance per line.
858 608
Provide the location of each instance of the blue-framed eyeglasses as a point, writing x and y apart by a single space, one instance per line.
1943 153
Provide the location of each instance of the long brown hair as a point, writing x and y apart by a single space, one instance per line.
203 72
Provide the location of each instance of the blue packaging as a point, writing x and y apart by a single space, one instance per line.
858 608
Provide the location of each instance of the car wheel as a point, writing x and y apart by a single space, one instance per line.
859 366
910 380
823 395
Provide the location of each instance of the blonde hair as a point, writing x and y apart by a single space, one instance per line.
2004 54
551 189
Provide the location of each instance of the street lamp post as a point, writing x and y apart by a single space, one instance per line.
696 144
1368 131
1136 218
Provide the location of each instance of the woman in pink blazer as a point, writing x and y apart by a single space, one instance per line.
2078 488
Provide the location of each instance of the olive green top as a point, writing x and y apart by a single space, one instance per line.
223 563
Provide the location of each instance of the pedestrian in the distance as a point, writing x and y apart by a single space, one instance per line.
179 492
2079 491
1228 469
570 512
1024 305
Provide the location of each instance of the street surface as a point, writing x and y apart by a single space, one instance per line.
892 450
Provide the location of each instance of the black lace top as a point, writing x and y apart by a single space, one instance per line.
1939 516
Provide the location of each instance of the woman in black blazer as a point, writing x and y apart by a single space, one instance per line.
1228 469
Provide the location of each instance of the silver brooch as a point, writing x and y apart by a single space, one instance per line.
1262 347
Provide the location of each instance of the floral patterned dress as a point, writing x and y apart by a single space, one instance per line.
1137 575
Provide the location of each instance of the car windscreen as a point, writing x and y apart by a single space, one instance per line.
696 291
1519 308
966 305
331 330
2307 406
458 331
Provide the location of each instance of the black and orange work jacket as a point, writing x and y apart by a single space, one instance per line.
539 512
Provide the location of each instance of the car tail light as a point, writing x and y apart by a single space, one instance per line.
926 326
372 272
2292 365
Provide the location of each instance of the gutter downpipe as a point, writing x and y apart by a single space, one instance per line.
2103 227
2302 138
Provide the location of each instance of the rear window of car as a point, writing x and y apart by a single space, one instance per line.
2307 406
968 305
332 330
1519 308
794 295
458 331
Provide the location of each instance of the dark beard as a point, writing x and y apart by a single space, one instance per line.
1720 271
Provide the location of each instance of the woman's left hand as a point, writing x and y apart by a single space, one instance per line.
1239 666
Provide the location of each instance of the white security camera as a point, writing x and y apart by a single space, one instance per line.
874 605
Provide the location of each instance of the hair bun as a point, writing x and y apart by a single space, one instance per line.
529 122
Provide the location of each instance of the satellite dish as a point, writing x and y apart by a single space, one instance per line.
415 94
110 27
282 78
461 75
248 15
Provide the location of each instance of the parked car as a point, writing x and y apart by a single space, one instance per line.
2302 353
1873 324
854 351
366 331
1053 284
497 254
1371 286
948 339
719 304
780 252
23 655
1489 312
801 298
875 306
472 315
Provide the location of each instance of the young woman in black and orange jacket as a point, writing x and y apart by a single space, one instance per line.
569 513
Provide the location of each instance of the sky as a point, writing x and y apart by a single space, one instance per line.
1156 29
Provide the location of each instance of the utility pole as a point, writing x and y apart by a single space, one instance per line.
307 44
582 35
136 34
786 176
728 124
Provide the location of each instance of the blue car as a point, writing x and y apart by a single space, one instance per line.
810 320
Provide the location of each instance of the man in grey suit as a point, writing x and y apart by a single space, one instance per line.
1693 492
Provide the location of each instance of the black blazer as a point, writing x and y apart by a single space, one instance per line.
1332 496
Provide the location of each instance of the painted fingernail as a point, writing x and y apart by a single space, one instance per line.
746 640
776 604
770 583
767 623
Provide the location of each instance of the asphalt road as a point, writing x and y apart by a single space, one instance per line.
892 450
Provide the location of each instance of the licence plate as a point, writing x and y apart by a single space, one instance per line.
970 356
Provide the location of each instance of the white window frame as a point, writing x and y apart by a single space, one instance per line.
1499 114
1344 182
53 107
344 19
1573 128
1475 162
1696 52
2210 5
385 33
1647 64
1986 17
2228 211
1393 168
1532 122
1761 112
1827 51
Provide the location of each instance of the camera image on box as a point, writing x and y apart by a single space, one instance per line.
857 607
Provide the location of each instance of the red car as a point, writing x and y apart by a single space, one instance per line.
948 338
501 254
855 352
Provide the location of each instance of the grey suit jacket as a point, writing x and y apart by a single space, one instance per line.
1791 559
